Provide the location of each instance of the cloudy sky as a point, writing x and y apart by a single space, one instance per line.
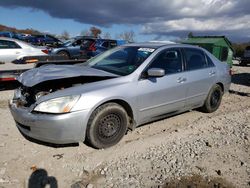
149 19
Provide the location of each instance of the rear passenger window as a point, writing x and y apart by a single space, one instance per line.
4 44
105 44
209 62
169 60
195 59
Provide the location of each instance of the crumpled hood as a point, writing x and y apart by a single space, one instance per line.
53 72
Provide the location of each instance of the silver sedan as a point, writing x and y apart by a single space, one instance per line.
14 50
99 100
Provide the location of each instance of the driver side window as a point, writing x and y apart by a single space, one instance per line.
170 60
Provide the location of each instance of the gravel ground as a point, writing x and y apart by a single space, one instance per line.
189 150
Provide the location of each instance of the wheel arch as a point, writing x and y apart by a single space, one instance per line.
221 85
127 108
63 51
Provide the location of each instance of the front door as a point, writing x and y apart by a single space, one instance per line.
162 95
201 74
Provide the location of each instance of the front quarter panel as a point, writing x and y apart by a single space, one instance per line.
91 100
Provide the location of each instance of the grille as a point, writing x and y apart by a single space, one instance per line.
23 126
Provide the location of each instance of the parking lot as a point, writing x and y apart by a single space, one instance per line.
214 146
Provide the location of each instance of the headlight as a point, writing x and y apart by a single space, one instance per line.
57 105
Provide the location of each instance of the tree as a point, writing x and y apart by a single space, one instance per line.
127 35
95 31
107 35
190 35
85 33
65 35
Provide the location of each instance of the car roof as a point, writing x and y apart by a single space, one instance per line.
159 44
15 40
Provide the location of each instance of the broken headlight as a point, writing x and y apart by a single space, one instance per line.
57 105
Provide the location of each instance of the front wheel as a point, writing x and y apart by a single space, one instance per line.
107 125
64 54
213 100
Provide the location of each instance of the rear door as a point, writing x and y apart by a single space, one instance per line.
9 51
200 74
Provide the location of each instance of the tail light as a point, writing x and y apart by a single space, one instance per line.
230 72
45 51
92 47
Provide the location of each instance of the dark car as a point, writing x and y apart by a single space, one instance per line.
44 40
93 47
71 48
12 35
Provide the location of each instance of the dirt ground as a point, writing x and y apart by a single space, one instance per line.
188 150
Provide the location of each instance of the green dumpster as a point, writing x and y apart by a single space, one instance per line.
219 46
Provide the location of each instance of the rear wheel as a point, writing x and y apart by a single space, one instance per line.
64 54
213 100
107 125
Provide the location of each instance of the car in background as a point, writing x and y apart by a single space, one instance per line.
7 34
124 87
245 60
12 35
71 48
43 40
13 50
93 47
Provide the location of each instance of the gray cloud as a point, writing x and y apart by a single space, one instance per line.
161 17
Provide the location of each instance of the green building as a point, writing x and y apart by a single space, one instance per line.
219 46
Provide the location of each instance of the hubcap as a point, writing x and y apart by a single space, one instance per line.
109 125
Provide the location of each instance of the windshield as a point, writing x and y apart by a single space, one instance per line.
68 42
121 60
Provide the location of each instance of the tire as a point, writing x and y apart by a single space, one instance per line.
64 54
107 125
213 99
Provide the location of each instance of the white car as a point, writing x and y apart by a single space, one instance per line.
14 50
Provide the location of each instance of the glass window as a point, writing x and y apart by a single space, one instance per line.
209 62
121 61
4 44
105 44
195 59
86 43
78 42
169 60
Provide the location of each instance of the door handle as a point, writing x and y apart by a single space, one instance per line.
212 73
18 52
181 80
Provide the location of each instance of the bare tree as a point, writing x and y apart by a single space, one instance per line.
107 35
65 35
85 33
127 35
95 31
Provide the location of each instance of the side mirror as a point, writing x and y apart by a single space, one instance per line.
74 44
156 72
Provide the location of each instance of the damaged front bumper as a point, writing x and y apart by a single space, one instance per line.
52 128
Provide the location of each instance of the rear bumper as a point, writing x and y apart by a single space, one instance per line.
51 128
